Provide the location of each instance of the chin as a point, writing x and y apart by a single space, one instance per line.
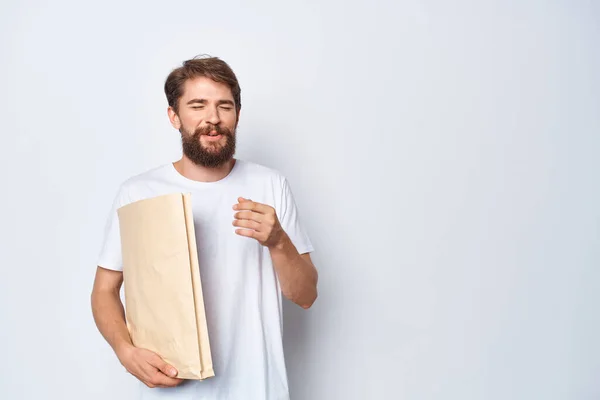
212 149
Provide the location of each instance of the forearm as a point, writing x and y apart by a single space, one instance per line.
109 316
297 276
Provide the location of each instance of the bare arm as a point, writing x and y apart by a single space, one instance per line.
296 272
109 316
108 310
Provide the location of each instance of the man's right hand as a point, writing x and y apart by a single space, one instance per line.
148 367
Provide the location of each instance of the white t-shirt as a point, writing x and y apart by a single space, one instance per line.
242 295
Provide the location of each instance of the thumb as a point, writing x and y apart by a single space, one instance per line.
168 370
241 199
165 368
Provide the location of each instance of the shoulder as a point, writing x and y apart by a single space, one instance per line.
129 189
269 184
255 168
256 171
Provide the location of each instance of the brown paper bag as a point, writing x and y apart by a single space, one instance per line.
163 292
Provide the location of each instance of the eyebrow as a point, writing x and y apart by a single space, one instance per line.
203 101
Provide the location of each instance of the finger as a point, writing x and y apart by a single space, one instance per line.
145 374
148 372
253 206
251 215
160 379
245 223
246 232
162 366
143 378
165 386
155 377
144 371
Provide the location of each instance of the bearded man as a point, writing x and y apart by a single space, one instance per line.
252 248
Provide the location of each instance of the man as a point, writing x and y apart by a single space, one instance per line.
251 248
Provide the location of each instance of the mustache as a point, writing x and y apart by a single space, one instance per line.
205 130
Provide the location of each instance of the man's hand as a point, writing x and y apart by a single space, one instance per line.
260 222
148 367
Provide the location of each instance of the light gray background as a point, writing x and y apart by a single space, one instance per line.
443 156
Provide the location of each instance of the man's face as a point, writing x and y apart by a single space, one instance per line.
207 120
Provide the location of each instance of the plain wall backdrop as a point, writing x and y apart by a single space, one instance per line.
443 156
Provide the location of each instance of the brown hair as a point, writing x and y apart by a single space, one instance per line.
210 67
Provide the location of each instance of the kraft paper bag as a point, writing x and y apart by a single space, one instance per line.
164 306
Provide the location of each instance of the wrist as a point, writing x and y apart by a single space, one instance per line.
122 349
281 244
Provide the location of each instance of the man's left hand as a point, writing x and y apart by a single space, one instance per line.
258 221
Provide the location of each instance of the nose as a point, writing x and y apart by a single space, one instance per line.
212 116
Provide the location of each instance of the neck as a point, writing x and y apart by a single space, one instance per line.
203 174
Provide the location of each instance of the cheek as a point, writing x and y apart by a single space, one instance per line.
189 116
190 122
231 122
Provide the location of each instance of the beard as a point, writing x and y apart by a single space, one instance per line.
211 154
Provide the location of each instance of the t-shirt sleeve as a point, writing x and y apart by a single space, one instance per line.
110 251
290 220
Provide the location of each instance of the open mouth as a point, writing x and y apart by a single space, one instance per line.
213 136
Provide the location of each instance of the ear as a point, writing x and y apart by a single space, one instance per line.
237 119
174 118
